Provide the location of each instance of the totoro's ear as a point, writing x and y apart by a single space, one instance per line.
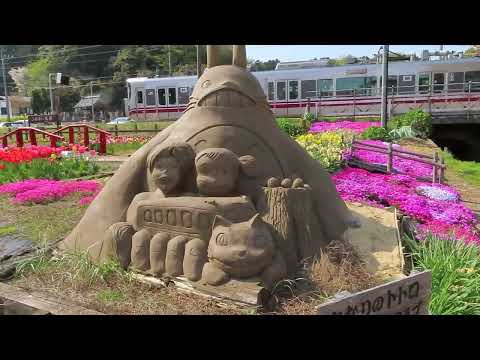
239 57
255 220
220 221
213 56
248 166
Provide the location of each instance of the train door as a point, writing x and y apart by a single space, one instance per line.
139 102
281 92
438 82
167 102
150 103
293 97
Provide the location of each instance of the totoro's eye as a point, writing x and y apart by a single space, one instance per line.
221 240
206 83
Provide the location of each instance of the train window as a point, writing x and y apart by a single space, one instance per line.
455 81
271 91
292 89
424 83
309 89
474 78
406 84
183 95
150 97
162 98
129 91
281 90
325 87
361 85
172 96
140 97
3 111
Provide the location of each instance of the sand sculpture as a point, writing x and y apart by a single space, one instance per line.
222 193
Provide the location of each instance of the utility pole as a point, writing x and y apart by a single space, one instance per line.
169 62
91 98
198 62
384 113
50 89
5 85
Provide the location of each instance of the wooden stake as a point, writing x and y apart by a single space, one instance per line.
435 161
390 158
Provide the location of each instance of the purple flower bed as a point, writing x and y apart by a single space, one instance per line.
39 191
442 217
409 167
354 126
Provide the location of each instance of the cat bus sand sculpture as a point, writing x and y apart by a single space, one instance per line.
227 110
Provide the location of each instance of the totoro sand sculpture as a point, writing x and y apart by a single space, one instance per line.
220 194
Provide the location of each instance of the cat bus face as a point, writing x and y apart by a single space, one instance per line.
241 249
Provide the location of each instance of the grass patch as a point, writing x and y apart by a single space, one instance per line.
139 125
123 149
43 223
467 170
455 268
7 230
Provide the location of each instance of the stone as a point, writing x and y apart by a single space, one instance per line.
286 183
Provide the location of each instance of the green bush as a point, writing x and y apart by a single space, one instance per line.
419 120
291 128
375 133
47 169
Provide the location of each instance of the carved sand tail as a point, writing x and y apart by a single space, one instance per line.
227 109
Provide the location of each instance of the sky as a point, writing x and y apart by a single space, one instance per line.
307 52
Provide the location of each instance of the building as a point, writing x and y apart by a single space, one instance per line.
19 105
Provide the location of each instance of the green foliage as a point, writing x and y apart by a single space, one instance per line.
401 132
46 169
419 120
291 128
375 133
258 65
7 230
77 263
40 101
455 268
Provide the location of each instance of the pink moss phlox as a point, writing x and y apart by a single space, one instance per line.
380 190
43 191
356 127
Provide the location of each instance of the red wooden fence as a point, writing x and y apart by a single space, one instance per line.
86 139
31 135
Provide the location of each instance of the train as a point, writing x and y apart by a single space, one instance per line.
450 83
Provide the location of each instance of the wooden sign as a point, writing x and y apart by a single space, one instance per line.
33 119
407 296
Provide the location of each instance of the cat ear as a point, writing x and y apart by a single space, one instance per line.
220 221
255 220
248 166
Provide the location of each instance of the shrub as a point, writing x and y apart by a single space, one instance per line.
291 128
419 121
375 133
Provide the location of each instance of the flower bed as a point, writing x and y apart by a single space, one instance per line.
42 191
353 126
441 215
326 147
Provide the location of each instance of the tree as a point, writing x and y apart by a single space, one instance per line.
473 51
40 101
257 65
19 76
